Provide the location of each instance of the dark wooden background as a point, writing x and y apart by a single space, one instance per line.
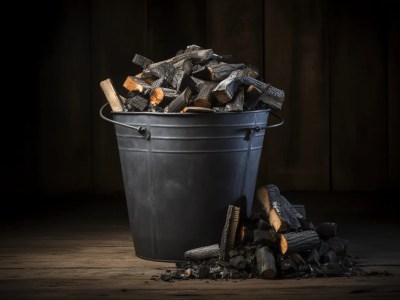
338 62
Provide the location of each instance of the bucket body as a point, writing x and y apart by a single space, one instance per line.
179 183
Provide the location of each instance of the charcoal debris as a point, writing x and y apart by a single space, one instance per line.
255 251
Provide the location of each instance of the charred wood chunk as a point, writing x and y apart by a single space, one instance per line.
313 258
159 95
238 262
227 88
338 245
326 230
202 253
323 248
196 56
162 70
185 65
160 82
141 61
200 72
134 84
252 97
329 257
246 234
265 263
237 103
181 81
198 84
287 266
262 197
308 226
111 95
179 102
264 237
229 230
273 97
248 80
223 57
300 209
205 96
137 103
298 241
219 72
298 259
191 48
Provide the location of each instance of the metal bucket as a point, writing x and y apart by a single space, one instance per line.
180 173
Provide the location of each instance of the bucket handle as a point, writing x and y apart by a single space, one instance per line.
250 131
143 131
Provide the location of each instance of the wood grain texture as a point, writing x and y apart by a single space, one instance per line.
65 105
115 38
296 156
236 27
358 84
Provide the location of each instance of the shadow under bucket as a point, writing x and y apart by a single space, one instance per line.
182 170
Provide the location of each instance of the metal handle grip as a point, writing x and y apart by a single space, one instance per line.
143 131
250 131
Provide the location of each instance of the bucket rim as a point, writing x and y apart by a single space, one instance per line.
188 113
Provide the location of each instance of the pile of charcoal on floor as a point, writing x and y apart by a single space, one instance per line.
276 243
195 80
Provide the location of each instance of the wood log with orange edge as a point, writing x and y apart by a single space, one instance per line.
292 242
159 94
133 84
111 95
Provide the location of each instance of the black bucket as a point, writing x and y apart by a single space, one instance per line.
180 173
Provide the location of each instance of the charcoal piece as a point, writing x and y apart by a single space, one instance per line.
265 263
237 103
329 257
238 262
326 230
226 89
298 241
201 72
205 96
160 82
202 253
323 248
179 102
313 257
265 237
137 103
141 61
273 97
338 245
136 84
229 230
181 81
218 72
203 272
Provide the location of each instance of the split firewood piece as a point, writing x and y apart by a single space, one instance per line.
237 103
219 72
249 80
262 197
111 95
161 70
265 237
223 57
229 231
298 241
202 253
282 215
198 83
205 96
227 88
265 263
186 65
301 209
245 234
238 262
252 97
133 84
136 102
338 245
181 80
200 71
159 94
196 56
141 61
179 102
273 97
326 230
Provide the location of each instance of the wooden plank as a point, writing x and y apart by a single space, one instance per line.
235 27
358 83
64 92
394 96
173 25
113 46
296 156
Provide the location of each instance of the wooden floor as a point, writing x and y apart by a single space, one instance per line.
85 251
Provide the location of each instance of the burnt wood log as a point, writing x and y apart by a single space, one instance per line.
160 70
137 102
273 97
265 263
196 56
198 84
338 245
300 209
298 241
263 237
238 262
246 234
237 103
229 231
111 95
160 82
326 230
179 102
202 253
181 80
223 57
205 96
191 48
141 61
252 97
133 84
226 89
185 65
158 95
221 71
200 72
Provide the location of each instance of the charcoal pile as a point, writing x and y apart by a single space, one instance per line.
277 242
195 80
